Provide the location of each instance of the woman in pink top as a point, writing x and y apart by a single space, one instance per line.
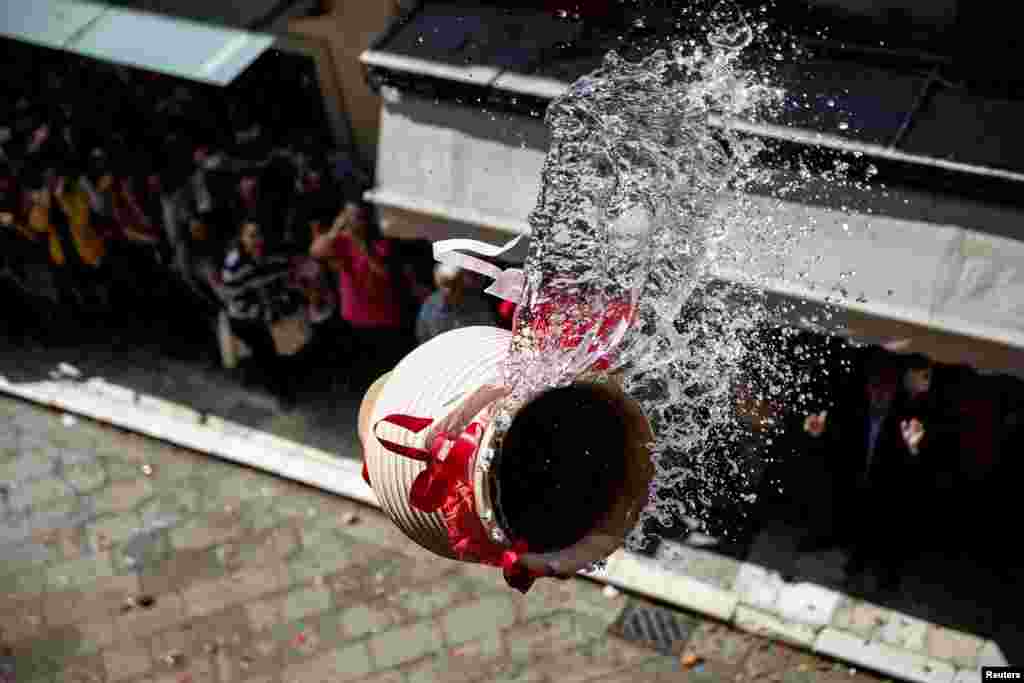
371 302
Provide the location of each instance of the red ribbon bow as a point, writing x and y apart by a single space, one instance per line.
444 486
447 460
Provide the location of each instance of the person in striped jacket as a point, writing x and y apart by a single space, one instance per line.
257 293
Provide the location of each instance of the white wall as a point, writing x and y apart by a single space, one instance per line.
921 262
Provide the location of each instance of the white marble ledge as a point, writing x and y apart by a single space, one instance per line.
772 626
641 575
884 658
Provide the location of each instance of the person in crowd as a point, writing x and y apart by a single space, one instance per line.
60 208
875 446
45 219
159 212
313 200
368 288
248 200
14 235
139 242
330 340
199 231
452 306
257 295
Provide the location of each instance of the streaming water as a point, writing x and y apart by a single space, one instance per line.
644 183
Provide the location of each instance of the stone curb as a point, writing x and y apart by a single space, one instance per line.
797 622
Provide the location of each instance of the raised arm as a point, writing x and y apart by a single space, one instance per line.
323 244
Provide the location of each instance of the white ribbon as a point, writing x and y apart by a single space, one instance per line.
508 284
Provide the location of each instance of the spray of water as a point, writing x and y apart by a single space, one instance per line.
644 182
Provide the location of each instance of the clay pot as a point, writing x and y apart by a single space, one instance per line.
438 380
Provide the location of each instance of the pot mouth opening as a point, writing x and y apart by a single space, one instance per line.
561 467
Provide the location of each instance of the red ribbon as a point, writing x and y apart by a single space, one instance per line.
444 486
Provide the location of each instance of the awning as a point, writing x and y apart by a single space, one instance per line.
947 276
177 47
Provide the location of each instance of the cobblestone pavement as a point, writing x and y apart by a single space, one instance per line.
125 559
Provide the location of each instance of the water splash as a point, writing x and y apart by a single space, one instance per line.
731 30
643 182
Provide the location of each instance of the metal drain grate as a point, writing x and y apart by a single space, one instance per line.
655 627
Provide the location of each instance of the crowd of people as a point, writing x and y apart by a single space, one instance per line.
135 204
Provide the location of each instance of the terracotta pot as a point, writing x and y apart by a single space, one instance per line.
438 380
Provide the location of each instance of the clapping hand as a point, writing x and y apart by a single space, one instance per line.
815 424
912 431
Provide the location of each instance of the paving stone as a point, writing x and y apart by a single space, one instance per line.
305 602
959 648
261 657
40 493
596 658
579 595
474 660
342 664
81 572
167 611
112 529
20 552
85 476
29 464
120 468
23 583
393 676
904 632
228 627
233 489
322 560
169 507
122 495
81 669
127 659
203 532
68 543
424 603
375 617
716 642
264 614
24 623
174 467
94 602
262 514
95 635
471 621
207 597
196 669
546 636
179 568
405 644
262 548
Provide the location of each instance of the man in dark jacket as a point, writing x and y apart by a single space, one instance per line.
875 460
